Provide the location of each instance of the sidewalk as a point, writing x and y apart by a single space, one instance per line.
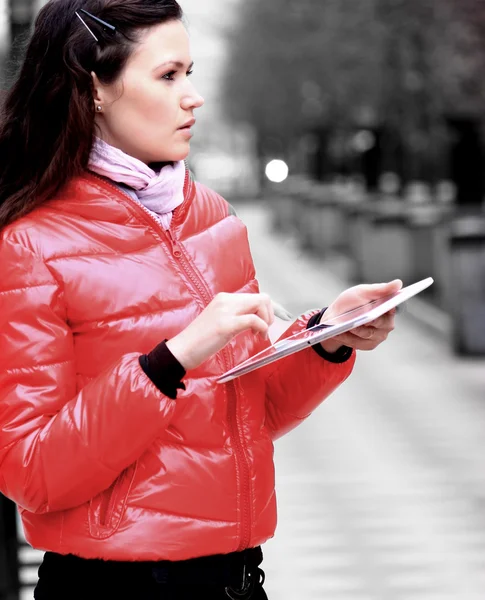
382 491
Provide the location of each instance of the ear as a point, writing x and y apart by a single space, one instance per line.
98 90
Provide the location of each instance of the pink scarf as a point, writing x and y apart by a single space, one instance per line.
160 192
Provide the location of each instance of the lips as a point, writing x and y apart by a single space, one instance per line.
189 124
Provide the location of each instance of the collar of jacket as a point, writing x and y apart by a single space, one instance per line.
178 214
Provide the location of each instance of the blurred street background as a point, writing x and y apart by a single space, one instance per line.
349 136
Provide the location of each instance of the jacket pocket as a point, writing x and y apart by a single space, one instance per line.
107 508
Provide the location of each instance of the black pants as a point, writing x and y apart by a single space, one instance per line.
219 577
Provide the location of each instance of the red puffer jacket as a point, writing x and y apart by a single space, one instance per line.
100 462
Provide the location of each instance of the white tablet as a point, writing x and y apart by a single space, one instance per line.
335 326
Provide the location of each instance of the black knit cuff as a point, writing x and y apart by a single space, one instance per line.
164 370
340 356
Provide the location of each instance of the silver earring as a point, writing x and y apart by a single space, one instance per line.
99 108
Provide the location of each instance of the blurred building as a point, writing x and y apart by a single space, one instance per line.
4 33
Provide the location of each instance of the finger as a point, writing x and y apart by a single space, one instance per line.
263 314
377 323
364 345
366 332
271 311
254 322
389 322
385 322
375 291
253 303
268 309
359 343
265 309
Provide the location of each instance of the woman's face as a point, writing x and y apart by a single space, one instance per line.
144 112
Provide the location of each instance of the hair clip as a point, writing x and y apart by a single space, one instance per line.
85 25
106 25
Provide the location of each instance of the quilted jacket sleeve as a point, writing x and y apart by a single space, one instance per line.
297 384
59 448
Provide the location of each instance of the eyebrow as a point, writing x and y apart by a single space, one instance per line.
175 63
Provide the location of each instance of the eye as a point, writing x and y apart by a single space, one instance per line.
169 76
190 72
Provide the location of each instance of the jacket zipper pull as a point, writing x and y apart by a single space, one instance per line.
173 242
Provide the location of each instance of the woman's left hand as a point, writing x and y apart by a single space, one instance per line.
369 336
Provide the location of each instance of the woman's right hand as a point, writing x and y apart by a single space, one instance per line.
225 317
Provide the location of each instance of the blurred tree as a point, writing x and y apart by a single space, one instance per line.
295 68
463 58
312 75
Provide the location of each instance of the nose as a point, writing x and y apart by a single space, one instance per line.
191 99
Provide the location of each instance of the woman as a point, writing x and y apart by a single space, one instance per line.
126 290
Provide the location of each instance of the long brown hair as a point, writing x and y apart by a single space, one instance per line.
48 120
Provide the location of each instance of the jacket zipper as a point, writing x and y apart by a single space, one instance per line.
242 462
